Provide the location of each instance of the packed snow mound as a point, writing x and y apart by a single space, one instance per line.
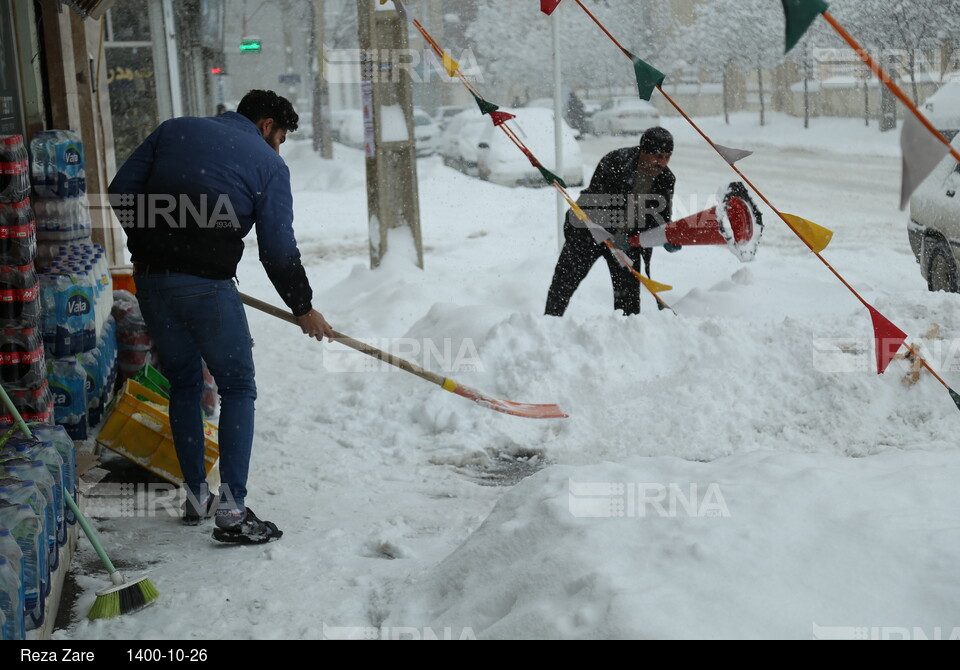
758 545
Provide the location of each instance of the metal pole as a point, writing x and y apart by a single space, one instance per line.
558 122
172 62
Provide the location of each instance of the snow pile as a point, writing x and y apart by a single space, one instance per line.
760 545
840 486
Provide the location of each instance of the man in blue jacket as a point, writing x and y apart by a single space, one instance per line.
186 198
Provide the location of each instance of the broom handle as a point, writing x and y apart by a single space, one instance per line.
405 365
22 425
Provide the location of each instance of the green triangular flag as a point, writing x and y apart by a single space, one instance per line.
955 396
485 107
648 77
550 177
800 14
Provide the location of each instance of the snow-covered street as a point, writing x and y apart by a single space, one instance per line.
734 470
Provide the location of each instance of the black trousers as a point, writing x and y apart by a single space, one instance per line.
579 253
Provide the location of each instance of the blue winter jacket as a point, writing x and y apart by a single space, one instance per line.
191 192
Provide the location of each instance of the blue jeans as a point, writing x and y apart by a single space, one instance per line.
191 318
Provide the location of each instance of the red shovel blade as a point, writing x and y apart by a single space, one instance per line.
527 410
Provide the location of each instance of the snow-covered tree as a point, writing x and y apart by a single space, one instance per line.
736 34
906 29
513 42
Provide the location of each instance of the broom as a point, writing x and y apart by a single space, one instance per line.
124 596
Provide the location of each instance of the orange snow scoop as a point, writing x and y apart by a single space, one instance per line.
528 410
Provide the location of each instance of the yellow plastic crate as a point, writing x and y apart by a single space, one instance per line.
138 428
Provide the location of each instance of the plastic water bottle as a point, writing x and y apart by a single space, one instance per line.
10 601
57 436
10 550
33 448
33 404
27 530
71 173
14 169
41 166
90 361
59 329
81 309
21 358
26 493
18 238
19 297
37 473
68 385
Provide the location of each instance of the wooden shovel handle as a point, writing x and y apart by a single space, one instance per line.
349 342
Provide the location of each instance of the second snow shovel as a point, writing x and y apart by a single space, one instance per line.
528 410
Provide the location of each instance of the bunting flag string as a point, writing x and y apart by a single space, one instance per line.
500 121
888 338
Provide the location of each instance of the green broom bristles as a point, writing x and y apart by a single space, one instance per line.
124 599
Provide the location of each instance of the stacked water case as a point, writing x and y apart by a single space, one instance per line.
36 476
76 293
22 369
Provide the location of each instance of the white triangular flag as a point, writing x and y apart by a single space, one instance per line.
732 155
922 151
599 234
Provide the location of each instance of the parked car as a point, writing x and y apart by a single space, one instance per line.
445 113
943 108
500 161
590 107
458 143
350 129
625 115
934 226
427 133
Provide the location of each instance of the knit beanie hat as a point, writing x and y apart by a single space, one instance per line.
656 140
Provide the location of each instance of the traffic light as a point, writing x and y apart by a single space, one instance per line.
250 45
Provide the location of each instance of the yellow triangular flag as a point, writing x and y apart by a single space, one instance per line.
652 286
817 237
450 65
579 213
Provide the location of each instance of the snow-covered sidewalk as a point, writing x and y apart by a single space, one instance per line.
812 498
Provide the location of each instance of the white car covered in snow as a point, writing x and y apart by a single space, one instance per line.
500 161
934 227
943 108
427 133
622 116
458 143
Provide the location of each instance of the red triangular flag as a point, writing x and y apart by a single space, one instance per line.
533 159
499 118
888 337
547 6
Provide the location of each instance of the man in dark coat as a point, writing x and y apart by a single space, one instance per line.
631 191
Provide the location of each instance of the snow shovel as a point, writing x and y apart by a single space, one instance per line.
530 411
